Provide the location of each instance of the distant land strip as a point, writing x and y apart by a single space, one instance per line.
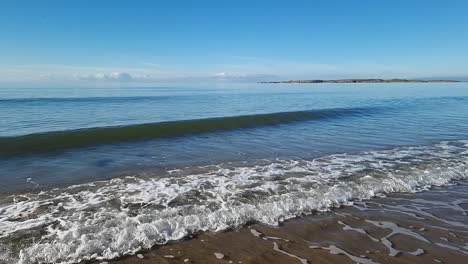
364 81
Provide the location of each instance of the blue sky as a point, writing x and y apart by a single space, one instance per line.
152 41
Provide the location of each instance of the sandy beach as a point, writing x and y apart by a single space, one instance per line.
424 227
233 132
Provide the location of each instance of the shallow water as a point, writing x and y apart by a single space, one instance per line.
313 120
80 174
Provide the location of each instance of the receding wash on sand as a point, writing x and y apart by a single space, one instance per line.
364 81
341 173
426 227
131 215
234 132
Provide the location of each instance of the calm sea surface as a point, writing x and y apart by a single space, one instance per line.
160 163
367 117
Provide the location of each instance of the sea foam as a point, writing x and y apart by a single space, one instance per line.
108 219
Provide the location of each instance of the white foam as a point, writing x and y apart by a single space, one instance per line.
359 230
338 251
107 219
452 247
398 230
276 248
264 237
219 255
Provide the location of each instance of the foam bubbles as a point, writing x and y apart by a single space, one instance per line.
108 219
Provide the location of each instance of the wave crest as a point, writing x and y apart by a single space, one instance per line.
50 141
107 219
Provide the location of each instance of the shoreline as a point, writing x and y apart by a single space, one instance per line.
425 227
364 81
126 215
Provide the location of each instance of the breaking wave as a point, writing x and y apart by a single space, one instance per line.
57 140
108 219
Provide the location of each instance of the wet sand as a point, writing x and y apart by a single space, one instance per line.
425 227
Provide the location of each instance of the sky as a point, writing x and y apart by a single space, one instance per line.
89 42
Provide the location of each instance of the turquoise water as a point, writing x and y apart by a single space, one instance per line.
360 117
33 110
100 173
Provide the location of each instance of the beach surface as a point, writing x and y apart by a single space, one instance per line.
425 227
256 173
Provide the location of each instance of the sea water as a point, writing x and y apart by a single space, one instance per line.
97 173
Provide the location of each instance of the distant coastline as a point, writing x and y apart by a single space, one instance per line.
363 81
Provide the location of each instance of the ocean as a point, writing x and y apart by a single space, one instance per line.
99 173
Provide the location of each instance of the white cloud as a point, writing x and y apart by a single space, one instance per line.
228 75
235 76
245 69
152 65
112 76
78 74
